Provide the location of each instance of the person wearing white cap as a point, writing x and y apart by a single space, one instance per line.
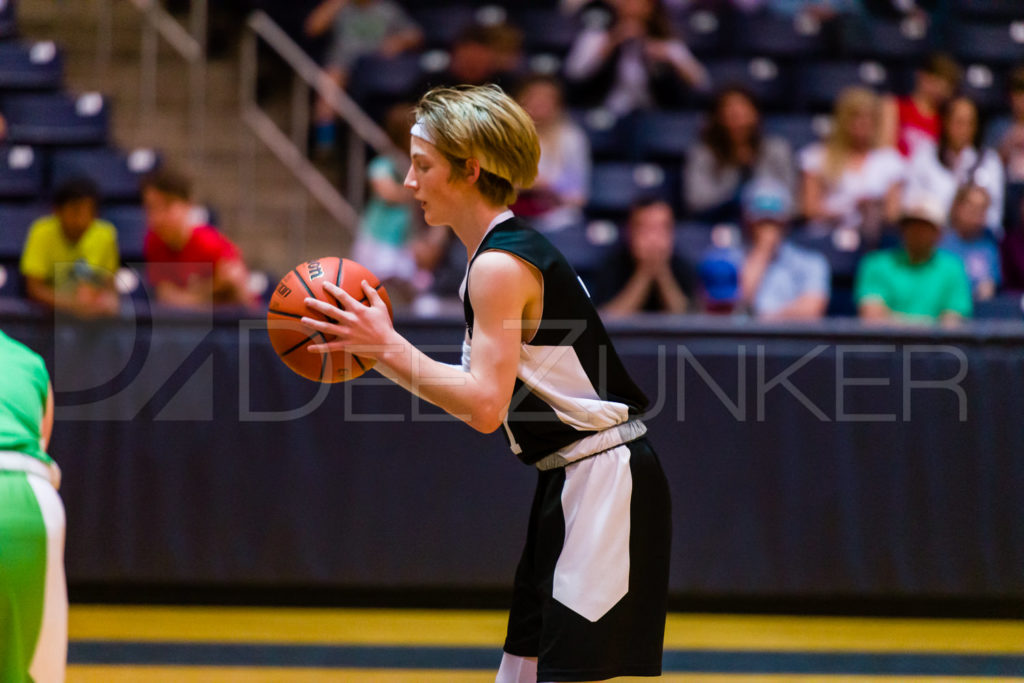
914 282
589 599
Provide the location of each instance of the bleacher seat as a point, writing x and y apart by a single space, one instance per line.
906 40
56 119
15 220
771 35
115 173
546 30
30 66
442 25
666 135
616 185
703 30
761 76
374 92
610 138
1005 306
8 19
988 43
799 130
986 87
130 221
692 240
11 282
995 129
986 9
21 172
819 83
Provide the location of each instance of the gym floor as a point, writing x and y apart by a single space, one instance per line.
299 645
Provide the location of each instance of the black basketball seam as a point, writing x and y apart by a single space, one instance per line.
356 358
299 275
323 365
302 343
287 315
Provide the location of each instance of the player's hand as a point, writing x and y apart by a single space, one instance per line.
352 325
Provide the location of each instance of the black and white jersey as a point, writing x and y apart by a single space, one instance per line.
572 394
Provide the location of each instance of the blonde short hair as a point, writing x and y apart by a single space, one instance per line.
483 123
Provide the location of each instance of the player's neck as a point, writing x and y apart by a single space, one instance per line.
473 227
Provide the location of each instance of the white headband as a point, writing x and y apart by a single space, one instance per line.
420 131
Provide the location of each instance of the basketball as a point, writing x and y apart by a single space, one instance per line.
290 338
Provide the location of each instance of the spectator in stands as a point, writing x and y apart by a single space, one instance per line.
634 61
70 256
778 279
957 160
385 231
915 282
189 264
562 186
850 181
1011 147
359 27
646 275
907 121
480 54
732 151
968 240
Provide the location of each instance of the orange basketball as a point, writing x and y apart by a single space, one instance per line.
290 337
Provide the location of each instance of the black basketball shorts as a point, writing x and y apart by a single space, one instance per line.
590 591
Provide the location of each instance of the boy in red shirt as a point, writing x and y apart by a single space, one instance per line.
910 120
189 263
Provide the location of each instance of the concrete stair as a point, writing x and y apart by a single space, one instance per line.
259 204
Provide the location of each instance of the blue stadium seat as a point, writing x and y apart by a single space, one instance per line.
703 30
8 19
692 240
30 66
116 174
1006 306
442 25
799 129
819 83
666 135
12 284
987 43
376 79
986 9
584 255
546 30
768 34
56 119
21 172
761 76
616 185
986 87
130 221
995 129
610 138
15 220
885 39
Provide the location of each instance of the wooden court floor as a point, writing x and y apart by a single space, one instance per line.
290 645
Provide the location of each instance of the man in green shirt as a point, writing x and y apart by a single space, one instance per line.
33 592
916 282
70 256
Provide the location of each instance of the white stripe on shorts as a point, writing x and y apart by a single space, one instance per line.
592 573
50 657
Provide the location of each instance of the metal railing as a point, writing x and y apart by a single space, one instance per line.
290 148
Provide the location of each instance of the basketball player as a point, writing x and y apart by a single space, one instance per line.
33 593
589 595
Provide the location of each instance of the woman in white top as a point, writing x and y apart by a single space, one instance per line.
562 186
634 61
849 181
940 169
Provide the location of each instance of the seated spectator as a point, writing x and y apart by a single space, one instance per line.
189 264
732 151
359 27
562 186
1011 146
968 240
915 282
385 231
850 181
70 256
956 160
633 62
646 275
778 279
912 119
479 55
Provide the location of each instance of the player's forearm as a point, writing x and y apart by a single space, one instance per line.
447 386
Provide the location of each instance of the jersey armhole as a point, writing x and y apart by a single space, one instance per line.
532 267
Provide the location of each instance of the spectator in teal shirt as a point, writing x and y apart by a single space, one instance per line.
915 282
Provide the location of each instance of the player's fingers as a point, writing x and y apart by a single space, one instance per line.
327 309
326 327
346 300
372 295
329 347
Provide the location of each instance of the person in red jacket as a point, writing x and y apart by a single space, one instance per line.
915 118
190 264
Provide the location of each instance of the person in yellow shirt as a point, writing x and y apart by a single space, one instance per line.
70 256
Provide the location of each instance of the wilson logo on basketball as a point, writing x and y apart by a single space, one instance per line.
315 270
283 289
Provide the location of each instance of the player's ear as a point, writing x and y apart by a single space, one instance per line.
472 170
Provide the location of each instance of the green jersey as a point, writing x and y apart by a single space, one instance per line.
23 393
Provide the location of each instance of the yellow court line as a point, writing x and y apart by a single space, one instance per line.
487 629
186 674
